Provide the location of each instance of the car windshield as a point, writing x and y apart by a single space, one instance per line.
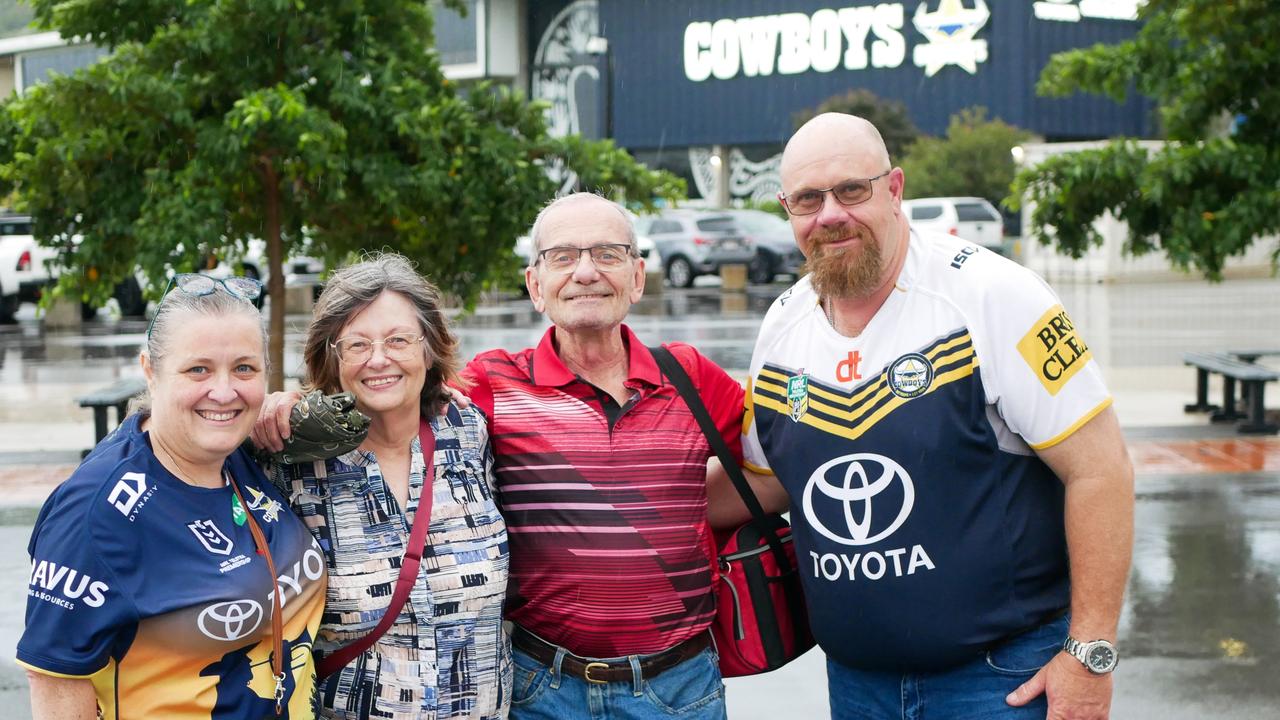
761 222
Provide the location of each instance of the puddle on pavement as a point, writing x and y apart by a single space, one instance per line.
18 516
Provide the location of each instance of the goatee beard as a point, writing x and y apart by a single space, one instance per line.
853 271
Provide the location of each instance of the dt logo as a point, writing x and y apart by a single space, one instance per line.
847 369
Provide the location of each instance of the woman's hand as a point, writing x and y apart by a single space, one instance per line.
455 395
272 427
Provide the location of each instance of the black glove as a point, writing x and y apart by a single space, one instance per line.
321 427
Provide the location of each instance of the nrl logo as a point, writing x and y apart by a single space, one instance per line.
797 396
211 536
950 30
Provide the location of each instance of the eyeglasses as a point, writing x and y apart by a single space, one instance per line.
199 285
849 192
354 349
607 256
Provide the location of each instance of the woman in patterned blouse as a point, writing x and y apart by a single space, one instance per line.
379 334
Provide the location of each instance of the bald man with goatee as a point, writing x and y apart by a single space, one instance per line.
960 491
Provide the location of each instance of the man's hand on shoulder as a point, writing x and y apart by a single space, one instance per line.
1074 693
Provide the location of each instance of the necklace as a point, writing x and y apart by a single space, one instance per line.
829 309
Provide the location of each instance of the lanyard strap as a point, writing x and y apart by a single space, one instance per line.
277 624
675 372
336 660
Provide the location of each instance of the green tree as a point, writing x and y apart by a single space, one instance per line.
974 159
889 116
1205 196
324 127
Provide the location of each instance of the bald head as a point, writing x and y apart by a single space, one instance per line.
835 134
583 204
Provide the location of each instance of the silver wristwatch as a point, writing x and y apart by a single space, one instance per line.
1098 656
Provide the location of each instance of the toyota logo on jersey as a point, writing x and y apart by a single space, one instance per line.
858 499
230 621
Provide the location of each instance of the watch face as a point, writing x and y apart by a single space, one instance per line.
1101 658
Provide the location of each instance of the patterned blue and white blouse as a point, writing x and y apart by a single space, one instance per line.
446 656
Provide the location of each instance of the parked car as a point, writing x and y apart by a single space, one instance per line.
696 242
299 270
971 218
24 265
775 243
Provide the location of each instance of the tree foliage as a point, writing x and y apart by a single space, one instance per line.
1206 195
889 116
973 160
324 128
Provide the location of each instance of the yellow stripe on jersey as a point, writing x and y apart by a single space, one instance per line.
850 412
845 405
856 430
51 673
1074 426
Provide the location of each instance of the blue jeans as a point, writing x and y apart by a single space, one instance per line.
691 690
973 691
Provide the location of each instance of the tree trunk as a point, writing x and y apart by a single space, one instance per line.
275 276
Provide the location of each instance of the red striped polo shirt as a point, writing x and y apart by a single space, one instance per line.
607 521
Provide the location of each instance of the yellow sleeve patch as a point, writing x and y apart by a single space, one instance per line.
1054 350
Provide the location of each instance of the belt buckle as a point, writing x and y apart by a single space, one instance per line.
586 672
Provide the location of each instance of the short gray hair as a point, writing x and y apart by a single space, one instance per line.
169 314
218 303
536 233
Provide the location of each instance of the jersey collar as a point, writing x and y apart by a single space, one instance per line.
550 371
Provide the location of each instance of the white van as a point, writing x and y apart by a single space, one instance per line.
970 218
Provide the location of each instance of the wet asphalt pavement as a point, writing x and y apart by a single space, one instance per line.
1200 632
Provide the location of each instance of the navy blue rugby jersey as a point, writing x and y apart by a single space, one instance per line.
154 590
926 527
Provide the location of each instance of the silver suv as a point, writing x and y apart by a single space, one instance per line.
696 242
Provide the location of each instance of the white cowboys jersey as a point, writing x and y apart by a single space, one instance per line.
926 528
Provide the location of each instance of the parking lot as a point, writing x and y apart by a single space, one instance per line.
1200 633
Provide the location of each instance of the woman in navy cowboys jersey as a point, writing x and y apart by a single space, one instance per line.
168 579
378 332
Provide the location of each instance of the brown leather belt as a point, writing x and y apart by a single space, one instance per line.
597 671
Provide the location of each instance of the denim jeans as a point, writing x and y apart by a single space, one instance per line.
973 691
691 690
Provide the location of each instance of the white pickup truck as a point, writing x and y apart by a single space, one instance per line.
24 270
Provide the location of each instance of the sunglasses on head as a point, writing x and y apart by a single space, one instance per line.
198 285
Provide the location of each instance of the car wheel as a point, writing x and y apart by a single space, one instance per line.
8 308
760 271
680 272
129 296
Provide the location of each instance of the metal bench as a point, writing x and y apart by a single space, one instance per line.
1252 378
116 395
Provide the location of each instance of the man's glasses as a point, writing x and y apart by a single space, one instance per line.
355 350
200 285
849 192
607 256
